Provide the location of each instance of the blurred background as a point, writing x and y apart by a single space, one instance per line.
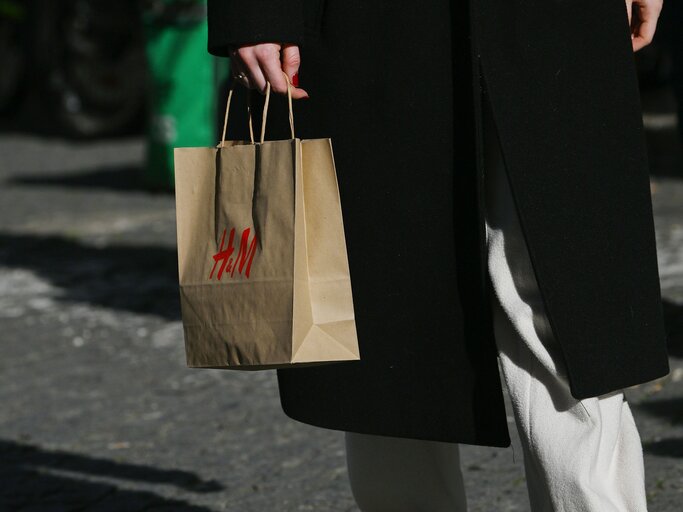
97 410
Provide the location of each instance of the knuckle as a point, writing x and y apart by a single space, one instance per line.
263 51
245 57
259 52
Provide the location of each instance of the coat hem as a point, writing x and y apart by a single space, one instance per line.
496 442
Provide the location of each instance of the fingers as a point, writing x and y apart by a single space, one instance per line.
272 69
644 22
247 56
261 63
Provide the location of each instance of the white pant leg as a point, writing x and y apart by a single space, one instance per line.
580 456
393 474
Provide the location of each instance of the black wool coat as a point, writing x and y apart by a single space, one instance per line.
398 85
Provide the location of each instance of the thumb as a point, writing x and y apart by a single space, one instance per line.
291 60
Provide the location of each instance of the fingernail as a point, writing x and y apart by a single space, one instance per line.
295 80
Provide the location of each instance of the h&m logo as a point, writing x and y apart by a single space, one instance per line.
242 261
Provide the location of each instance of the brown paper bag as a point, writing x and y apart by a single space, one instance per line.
264 276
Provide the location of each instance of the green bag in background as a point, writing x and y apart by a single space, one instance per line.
182 83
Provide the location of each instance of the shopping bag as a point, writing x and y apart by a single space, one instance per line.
263 269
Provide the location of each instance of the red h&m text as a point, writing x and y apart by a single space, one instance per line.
241 262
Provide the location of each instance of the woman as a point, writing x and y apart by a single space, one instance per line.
495 192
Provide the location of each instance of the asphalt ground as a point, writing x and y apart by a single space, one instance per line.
98 411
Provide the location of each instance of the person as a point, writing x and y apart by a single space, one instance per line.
494 183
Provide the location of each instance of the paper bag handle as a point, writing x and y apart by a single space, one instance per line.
227 112
265 111
289 103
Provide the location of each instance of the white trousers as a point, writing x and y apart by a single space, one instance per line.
579 455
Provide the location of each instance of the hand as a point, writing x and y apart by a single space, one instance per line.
645 22
263 62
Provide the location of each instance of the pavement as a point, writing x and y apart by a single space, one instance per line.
99 412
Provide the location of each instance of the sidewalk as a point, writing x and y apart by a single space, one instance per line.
99 412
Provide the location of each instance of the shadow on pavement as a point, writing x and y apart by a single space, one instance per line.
671 410
672 447
33 477
124 179
141 279
673 318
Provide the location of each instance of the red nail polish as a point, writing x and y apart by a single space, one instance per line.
295 80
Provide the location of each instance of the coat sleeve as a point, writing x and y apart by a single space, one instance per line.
235 22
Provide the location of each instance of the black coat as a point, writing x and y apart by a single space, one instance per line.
398 86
